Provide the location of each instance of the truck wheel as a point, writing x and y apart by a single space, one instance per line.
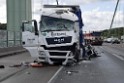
76 55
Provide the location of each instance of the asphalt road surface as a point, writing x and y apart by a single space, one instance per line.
108 68
25 74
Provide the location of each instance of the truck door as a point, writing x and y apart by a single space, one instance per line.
29 34
30 37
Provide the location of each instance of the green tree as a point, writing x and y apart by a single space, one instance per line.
3 26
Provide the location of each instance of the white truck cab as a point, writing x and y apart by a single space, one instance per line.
57 39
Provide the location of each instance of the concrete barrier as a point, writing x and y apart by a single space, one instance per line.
11 50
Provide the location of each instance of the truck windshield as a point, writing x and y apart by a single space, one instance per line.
55 24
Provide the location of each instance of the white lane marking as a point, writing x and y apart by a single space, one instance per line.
50 81
116 55
121 58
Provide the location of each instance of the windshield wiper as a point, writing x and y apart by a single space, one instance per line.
62 29
47 30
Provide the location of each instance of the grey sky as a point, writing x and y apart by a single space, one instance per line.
96 14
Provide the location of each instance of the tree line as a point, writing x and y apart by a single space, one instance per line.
115 32
3 26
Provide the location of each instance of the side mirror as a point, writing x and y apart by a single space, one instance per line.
35 27
22 27
30 26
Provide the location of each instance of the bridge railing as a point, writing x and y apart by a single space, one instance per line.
10 38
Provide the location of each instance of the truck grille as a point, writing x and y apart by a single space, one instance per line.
57 60
57 53
64 48
59 40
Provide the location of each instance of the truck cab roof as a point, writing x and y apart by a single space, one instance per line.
63 13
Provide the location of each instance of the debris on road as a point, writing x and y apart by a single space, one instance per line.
21 64
71 72
36 64
2 66
28 73
28 64
25 63
16 65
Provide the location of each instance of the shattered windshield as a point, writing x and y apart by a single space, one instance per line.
55 24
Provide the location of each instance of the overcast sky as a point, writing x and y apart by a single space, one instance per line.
96 14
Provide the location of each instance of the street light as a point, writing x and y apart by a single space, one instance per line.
57 2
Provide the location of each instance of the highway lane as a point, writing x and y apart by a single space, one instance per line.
16 59
117 50
105 69
24 74
33 75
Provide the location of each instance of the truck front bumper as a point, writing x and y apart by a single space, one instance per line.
51 56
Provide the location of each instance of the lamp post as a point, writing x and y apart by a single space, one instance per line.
57 2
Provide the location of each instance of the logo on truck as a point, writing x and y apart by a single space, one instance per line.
59 40
58 34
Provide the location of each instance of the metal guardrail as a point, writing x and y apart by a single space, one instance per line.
10 38
3 38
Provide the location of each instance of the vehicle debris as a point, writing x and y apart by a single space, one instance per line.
71 72
36 64
16 65
28 73
25 63
2 66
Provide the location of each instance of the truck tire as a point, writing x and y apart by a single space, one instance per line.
76 54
